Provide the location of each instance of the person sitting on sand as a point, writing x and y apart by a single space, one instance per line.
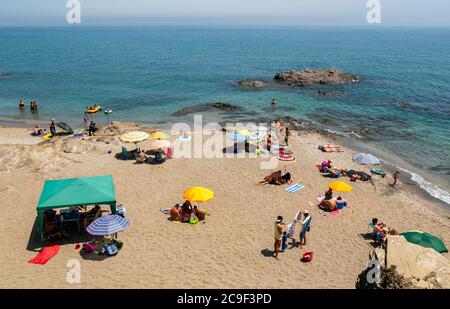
21 105
329 194
325 166
201 214
340 202
89 216
328 205
52 224
186 210
175 213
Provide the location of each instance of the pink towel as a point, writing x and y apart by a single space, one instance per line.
45 255
335 213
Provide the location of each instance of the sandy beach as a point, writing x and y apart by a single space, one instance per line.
232 249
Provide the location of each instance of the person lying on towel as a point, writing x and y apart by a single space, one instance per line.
276 179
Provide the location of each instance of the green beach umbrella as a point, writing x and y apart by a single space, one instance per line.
425 240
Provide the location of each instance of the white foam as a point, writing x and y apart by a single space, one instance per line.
430 188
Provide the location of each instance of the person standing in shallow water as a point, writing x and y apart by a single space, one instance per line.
21 105
396 176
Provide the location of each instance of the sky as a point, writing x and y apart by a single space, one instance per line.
417 13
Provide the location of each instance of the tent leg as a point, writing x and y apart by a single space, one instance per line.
113 209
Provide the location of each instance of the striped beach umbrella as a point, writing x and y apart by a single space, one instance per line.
108 225
365 159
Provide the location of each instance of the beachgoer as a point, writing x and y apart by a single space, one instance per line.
85 118
305 227
92 128
396 176
91 215
37 131
274 178
328 205
269 142
186 210
33 106
257 150
53 127
142 156
274 102
340 202
329 194
325 166
286 136
21 105
278 235
175 213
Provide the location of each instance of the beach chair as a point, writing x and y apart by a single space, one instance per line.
125 154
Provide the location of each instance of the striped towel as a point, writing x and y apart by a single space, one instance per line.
294 188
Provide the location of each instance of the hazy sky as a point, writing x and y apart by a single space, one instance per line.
228 12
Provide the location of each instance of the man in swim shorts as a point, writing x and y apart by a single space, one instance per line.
278 235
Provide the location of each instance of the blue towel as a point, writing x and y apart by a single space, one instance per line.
294 188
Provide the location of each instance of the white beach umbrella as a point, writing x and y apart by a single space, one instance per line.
134 137
365 159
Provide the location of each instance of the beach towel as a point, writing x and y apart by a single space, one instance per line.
291 226
294 188
45 255
335 213
330 148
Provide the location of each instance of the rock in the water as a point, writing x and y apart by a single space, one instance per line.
314 77
74 146
206 108
5 74
252 84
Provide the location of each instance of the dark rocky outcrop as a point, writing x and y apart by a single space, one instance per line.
252 84
221 106
309 77
5 74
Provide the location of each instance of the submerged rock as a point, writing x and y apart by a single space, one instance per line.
5 74
206 108
252 84
309 77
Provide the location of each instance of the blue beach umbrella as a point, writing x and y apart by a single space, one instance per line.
236 137
365 159
108 225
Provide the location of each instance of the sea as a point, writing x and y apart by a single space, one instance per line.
400 109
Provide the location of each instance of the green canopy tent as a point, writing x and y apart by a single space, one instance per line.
62 193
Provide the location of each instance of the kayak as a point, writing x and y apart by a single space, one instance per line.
91 110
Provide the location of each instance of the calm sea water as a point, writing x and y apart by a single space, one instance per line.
401 106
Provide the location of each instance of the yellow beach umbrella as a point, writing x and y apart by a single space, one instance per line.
198 194
159 143
340 186
134 137
159 135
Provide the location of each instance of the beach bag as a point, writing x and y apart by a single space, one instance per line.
307 257
110 250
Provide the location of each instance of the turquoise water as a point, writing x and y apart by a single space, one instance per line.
402 104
